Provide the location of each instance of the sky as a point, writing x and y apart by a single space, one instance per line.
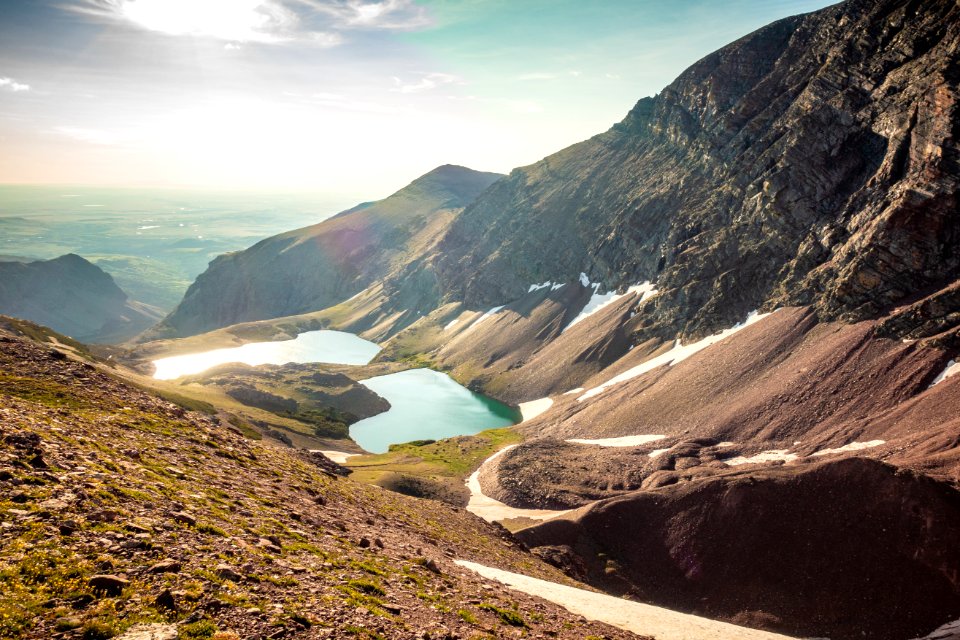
352 98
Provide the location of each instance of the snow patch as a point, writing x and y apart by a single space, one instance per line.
450 324
626 441
656 453
493 510
532 409
853 446
489 313
949 631
678 353
644 619
953 368
600 300
337 456
543 285
584 280
573 391
773 455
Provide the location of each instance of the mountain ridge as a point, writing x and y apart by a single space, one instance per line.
72 296
317 266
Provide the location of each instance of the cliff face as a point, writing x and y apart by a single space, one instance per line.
318 266
814 161
73 296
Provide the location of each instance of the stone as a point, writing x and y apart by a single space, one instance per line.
168 565
156 631
183 518
109 584
227 572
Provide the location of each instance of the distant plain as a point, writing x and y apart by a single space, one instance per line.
154 242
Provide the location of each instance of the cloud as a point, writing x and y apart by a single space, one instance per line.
267 21
426 82
357 14
12 85
537 76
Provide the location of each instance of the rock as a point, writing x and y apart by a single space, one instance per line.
227 572
26 440
67 623
168 565
183 518
431 565
109 584
364 543
166 600
156 631
269 544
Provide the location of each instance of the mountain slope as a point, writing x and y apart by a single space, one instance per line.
119 508
318 266
72 296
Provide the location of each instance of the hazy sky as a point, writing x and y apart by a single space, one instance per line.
349 97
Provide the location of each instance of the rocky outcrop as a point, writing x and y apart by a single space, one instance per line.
72 296
848 550
319 266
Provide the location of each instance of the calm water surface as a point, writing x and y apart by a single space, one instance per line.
426 404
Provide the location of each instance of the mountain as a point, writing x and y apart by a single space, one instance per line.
814 161
318 266
72 296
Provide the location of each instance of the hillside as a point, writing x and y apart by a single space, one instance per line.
72 296
121 509
315 267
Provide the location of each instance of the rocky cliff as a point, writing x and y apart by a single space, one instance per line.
72 296
814 161
315 267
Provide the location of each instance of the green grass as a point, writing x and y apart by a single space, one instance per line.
40 333
450 459
507 616
50 394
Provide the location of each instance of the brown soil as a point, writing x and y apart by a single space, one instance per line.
846 549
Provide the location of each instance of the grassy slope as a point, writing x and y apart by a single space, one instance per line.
444 464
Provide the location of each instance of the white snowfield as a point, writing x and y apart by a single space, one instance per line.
337 456
773 455
600 300
532 409
625 441
493 510
678 353
853 446
643 619
953 368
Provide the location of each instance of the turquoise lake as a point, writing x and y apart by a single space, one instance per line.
427 405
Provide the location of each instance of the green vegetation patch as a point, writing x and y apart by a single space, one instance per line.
50 394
